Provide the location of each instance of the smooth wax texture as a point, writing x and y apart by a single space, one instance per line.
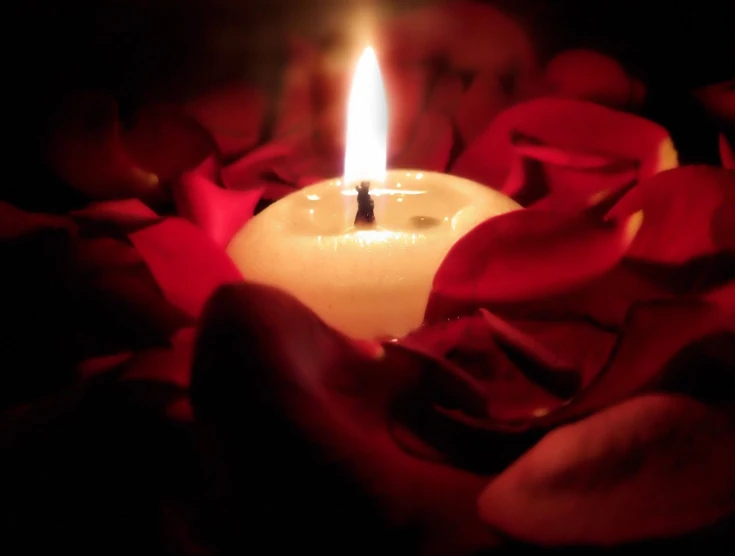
368 283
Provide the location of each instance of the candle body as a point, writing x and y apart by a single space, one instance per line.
366 282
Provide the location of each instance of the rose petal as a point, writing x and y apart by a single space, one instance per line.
468 35
566 125
125 215
86 151
566 179
256 165
295 112
446 95
265 365
484 100
727 156
430 146
234 116
652 337
187 265
524 255
689 212
219 212
719 100
590 75
166 141
15 222
652 467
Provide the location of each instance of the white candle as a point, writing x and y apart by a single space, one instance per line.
367 281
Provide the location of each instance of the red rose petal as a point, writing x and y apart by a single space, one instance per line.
15 222
446 95
187 265
468 35
652 336
590 75
406 89
478 376
126 214
524 255
652 467
219 212
262 361
689 212
256 165
430 146
719 100
484 100
234 116
295 112
170 365
85 150
166 141
727 156
566 125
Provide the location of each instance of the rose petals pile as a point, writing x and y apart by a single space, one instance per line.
573 381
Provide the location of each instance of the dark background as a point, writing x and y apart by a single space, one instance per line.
139 49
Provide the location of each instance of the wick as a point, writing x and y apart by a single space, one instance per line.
365 214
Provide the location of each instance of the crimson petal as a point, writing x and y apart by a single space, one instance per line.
187 265
590 75
654 334
524 255
86 150
566 126
233 114
727 156
430 146
219 212
652 467
166 141
689 212
266 367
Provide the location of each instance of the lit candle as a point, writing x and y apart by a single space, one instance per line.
362 251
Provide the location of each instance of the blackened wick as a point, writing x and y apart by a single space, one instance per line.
365 205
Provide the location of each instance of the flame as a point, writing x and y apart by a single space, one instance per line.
367 124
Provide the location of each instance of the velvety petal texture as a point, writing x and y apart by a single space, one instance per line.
572 383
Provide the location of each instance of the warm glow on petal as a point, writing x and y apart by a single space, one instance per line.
367 123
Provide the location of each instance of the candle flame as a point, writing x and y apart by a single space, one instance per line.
367 124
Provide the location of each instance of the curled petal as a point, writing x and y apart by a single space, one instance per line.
175 248
689 212
719 100
265 365
296 105
526 255
652 467
590 75
234 116
166 141
85 150
219 212
470 36
484 100
430 146
15 222
582 129
446 95
257 165
727 156
652 337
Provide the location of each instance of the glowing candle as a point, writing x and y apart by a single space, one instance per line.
362 251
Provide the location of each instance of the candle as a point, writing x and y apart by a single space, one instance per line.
362 251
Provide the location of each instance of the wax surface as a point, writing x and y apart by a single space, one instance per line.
366 282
